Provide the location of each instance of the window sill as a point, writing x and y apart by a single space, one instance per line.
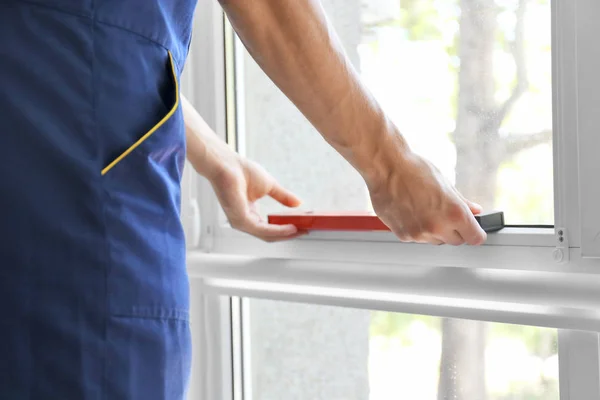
553 299
539 237
511 249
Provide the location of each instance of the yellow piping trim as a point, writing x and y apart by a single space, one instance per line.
155 128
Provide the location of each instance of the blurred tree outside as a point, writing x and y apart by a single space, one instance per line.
478 142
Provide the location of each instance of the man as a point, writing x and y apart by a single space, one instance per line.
93 133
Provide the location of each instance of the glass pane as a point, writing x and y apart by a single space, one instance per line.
300 351
467 82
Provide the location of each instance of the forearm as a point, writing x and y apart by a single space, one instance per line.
207 153
294 44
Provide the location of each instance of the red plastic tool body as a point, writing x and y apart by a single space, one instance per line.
339 221
362 221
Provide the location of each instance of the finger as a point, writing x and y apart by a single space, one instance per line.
472 232
271 239
400 233
404 236
434 240
430 240
425 239
474 207
266 231
284 196
453 238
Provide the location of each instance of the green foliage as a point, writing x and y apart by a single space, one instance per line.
396 325
542 342
420 18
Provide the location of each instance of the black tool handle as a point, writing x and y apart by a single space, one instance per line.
492 221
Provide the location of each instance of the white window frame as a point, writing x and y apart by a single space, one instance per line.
544 277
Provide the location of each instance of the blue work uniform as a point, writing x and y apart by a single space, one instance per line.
93 286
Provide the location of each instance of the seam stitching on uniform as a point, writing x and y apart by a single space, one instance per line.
93 18
153 40
151 317
102 194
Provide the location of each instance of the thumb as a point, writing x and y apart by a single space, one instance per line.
284 196
474 207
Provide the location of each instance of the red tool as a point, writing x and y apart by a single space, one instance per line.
361 221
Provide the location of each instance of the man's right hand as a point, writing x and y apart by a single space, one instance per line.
419 205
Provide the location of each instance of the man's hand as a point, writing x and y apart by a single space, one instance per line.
295 45
419 205
239 185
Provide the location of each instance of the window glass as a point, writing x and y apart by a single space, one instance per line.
467 82
300 351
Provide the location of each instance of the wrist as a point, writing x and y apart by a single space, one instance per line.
384 156
222 163
226 166
210 157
